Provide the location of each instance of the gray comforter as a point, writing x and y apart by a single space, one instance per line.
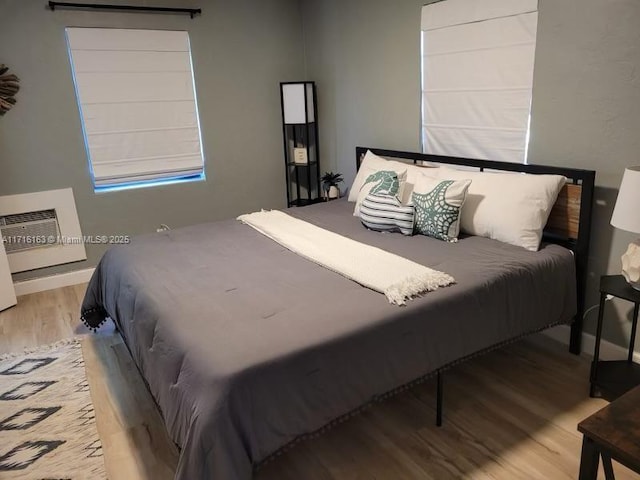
246 346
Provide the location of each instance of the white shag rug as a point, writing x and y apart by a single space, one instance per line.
47 421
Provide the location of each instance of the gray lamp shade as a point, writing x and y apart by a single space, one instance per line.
626 214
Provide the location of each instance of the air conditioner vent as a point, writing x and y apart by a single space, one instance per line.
29 230
19 218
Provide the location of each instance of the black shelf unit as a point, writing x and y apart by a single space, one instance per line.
300 140
612 378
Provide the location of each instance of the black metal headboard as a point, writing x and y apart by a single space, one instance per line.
582 182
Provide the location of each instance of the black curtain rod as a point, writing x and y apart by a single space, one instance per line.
103 6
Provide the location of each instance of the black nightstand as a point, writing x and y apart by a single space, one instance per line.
611 379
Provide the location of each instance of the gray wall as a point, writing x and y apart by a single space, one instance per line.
241 50
365 57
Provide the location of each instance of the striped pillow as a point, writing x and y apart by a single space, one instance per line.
385 213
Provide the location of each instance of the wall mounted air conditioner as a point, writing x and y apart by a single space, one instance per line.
40 230
17 228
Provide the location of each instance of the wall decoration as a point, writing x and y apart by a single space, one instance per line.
9 86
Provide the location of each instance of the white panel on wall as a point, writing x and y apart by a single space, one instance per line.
137 99
7 293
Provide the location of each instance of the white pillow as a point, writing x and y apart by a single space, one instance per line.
438 204
510 207
373 186
414 173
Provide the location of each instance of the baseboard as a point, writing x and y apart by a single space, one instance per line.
608 350
52 282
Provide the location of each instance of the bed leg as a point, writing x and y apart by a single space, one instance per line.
439 400
575 342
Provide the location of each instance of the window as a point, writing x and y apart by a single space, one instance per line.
477 76
137 101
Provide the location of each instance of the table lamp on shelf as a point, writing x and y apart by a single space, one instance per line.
626 216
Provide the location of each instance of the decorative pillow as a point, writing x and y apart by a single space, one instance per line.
438 204
510 207
385 213
381 182
414 173
372 163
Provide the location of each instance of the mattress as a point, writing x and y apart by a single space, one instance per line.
246 346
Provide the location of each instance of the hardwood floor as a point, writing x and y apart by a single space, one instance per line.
511 414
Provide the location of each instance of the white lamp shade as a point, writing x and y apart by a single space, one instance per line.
626 214
293 99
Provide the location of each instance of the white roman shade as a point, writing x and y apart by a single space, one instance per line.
477 76
138 106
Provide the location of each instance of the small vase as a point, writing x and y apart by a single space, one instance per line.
631 264
334 192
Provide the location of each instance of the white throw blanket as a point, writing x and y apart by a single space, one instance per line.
398 278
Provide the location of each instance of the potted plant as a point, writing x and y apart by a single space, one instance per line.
330 183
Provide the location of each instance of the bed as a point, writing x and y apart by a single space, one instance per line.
248 348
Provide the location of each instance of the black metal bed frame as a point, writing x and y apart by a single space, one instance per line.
579 245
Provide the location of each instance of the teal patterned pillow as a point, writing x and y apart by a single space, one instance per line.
438 204
381 182
384 182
